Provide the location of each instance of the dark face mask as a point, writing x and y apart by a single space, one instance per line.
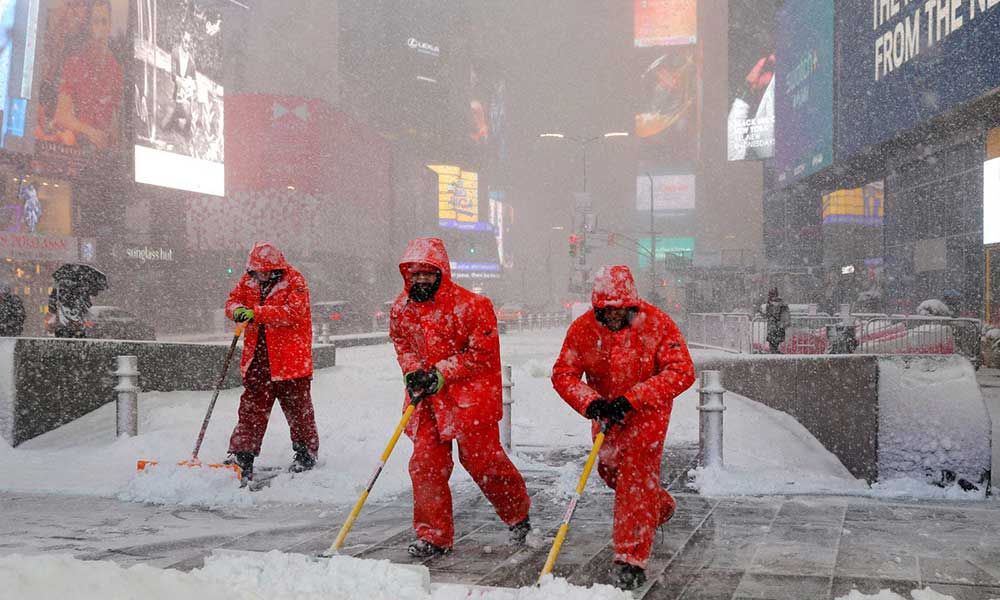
422 292
606 318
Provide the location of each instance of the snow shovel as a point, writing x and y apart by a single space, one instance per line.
335 547
564 528
194 461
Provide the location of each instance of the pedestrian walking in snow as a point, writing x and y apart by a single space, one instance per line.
11 312
778 319
448 347
273 299
636 362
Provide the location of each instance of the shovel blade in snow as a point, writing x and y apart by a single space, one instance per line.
142 464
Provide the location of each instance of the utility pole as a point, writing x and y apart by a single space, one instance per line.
653 296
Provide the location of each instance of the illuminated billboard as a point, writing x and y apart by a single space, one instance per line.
458 199
178 115
666 116
750 122
860 206
680 247
18 33
671 193
991 201
803 95
81 91
665 22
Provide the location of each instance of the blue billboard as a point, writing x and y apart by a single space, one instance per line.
904 62
803 95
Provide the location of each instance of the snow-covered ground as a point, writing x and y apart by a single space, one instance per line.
358 404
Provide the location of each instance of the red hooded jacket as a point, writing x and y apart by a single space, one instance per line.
456 333
285 313
647 362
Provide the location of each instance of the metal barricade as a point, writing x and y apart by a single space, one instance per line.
720 331
805 334
905 334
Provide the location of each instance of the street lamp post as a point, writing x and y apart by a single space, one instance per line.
583 143
653 296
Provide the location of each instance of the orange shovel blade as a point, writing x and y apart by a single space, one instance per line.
142 464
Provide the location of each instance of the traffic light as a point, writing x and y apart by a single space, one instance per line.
573 241
229 270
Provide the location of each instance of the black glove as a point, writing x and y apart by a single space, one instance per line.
597 408
415 382
617 409
432 381
612 411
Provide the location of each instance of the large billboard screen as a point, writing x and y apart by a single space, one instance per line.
666 115
665 22
803 95
902 63
671 193
750 122
78 116
859 206
178 115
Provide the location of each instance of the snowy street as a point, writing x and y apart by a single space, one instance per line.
760 524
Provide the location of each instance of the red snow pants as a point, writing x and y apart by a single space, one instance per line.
256 402
481 454
632 470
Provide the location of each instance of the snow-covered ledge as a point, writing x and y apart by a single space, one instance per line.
881 416
7 389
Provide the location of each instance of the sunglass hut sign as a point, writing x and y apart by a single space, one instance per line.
146 253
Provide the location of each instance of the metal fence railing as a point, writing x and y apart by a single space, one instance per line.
534 321
820 334
720 331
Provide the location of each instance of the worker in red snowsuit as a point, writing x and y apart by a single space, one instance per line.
273 299
636 363
448 348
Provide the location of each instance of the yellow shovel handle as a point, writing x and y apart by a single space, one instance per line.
333 549
564 528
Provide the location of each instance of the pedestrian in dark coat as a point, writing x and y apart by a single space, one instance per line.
11 313
778 319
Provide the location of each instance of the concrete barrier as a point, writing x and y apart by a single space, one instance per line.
47 382
882 416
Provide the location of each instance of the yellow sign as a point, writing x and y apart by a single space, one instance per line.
458 196
863 205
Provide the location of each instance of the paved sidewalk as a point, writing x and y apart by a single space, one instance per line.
772 547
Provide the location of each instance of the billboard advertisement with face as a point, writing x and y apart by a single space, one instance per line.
751 79
82 83
178 115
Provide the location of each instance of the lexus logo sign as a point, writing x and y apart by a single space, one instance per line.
423 47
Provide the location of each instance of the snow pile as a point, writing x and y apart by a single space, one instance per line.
925 594
932 417
933 308
767 451
250 576
187 486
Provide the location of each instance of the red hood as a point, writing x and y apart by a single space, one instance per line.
266 257
614 287
427 251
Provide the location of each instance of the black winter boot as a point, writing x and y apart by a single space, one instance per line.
628 577
243 460
424 549
303 461
519 532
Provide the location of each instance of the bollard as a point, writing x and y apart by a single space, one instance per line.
324 333
520 323
508 401
710 421
127 408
